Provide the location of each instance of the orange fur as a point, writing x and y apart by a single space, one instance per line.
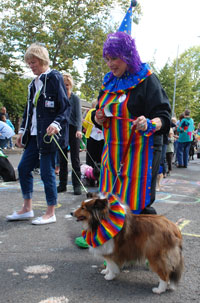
151 237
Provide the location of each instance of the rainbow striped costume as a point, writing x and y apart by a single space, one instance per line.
131 183
108 228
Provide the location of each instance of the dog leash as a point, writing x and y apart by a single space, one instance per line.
95 164
52 137
124 155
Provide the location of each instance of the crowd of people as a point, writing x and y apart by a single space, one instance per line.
181 143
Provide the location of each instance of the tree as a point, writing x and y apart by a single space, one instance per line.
70 30
187 82
95 67
65 27
13 94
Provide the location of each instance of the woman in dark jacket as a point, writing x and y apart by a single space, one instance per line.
75 134
46 112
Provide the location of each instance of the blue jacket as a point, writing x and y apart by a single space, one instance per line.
185 130
52 106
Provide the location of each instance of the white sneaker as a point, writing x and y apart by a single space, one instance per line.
41 220
17 217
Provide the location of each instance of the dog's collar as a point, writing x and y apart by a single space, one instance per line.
109 228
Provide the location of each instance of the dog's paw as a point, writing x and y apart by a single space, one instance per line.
109 276
157 291
172 286
104 271
161 287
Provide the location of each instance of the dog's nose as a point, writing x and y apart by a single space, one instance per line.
72 214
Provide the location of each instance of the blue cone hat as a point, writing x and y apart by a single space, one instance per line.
127 21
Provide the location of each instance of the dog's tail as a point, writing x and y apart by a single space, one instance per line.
177 271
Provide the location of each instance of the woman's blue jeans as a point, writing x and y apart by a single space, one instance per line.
27 164
183 153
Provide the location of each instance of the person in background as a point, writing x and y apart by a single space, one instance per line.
75 134
174 121
95 139
45 115
185 130
176 135
170 151
197 134
181 116
4 111
163 161
6 132
3 118
193 146
198 129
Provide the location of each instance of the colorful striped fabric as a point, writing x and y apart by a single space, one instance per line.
109 228
132 181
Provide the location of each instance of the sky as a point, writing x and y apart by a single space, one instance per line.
166 28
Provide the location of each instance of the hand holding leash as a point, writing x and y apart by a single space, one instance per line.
141 123
52 130
100 116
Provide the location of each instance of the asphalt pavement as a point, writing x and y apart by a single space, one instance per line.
42 264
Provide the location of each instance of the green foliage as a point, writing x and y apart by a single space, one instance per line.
65 27
187 93
70 30
96 67
13 94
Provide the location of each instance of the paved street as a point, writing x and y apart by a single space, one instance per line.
42 264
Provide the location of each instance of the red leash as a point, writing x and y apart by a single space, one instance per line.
128 145
125 154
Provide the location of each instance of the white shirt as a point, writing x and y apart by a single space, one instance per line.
6 131
38 86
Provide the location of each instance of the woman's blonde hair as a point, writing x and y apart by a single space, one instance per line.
38 51
68 77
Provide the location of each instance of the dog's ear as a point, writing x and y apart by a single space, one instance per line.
100 203
91 195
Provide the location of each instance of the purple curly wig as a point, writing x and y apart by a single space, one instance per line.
121 45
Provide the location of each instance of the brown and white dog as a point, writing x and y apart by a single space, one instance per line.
150 237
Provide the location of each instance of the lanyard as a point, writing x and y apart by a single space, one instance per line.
36 98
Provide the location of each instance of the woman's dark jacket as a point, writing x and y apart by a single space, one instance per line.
52 106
